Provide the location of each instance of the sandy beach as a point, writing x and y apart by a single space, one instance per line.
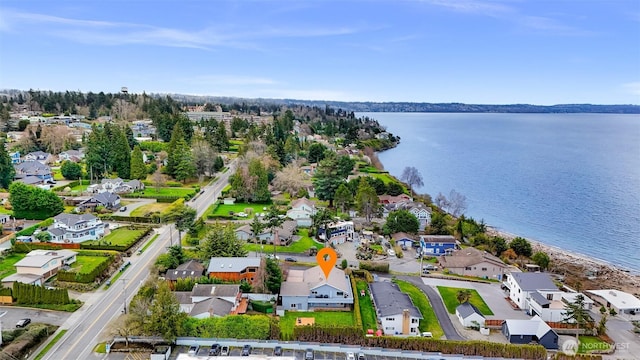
582 271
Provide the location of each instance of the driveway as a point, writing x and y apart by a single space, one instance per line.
491 293
438 307
134 204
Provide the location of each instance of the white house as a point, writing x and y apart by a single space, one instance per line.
422 212
550 305
71 155
306 290
116 185
339 232
394 309
522 284
620 301
469 315
39 156
39 265
302 210
71 228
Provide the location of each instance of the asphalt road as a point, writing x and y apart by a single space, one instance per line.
86 324
438 307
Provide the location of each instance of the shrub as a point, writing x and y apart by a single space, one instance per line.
378 266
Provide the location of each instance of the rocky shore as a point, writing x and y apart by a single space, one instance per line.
581 271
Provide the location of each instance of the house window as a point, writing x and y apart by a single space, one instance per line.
252 270
484 269
390 319
339 293
467 268
414 321
549 296
293 305
389 328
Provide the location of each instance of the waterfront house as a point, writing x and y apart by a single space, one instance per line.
436 245
522 284
551 305
395 310
307 290
473 262
622 302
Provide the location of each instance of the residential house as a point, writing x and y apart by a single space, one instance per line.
71 155
550 305
39 156
72 228
307 290
39 265
211 300
192 269
105 199
473 262
532 330
116 185
234 268
309 169
394 309
339 232
622 302
404 239
302 211
15 157
395 200
33 172
522 284
421 211
469 315
284 235
436 245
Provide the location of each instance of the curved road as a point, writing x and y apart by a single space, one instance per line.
85 325
438 307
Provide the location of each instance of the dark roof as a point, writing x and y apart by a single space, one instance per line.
466 309
402 235
539 298
106 197
72 219
438 239
389 300
191 265
533 281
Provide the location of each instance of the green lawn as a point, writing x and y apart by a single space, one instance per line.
449 298
144 210
367 311
6 265
5 211
86 264
223 209
430 321
168 191
298 247
121 236
323 318
591 343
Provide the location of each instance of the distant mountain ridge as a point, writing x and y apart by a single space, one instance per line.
370 106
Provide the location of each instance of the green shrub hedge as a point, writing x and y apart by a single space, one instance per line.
85 278
377 266
36 294
263 307
120 248
159 198
31 229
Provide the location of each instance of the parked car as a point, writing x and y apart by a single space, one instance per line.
427 334
404 247
246 350
193 349
430 267
23 323
391 252
277 351
351 356
215 350
308 354
361 356
124 208
290 259
224 350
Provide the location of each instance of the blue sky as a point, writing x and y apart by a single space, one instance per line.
491 52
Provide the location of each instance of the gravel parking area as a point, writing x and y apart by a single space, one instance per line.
13 314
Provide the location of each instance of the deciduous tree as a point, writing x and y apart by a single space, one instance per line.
412 176
541 259
401 221
290 179
343 197
367 200
521 246
71 170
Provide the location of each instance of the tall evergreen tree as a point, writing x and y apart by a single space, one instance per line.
367 200
7 171
121 153
138 169
172 152
327 179
184 167
98 153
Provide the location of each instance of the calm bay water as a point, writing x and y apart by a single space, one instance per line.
567 180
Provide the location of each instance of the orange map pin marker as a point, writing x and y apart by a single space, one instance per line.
327 258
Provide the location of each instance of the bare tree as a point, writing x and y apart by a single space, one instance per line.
441 201
290 179
54 138
412 176
204 156
457 203
158 180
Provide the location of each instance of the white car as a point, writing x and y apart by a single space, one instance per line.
351 356
391 252
271 256
242 214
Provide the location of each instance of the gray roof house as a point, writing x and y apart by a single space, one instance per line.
532 330
107 199
75 228
306 290
522 284
469 315
473 262
190 269
210 300
33 169
394 309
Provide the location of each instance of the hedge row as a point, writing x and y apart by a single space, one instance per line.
262 306
159 198
85 278
70 185
36 294
24 248
166 183
31 229
133 219
377 266
357 316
